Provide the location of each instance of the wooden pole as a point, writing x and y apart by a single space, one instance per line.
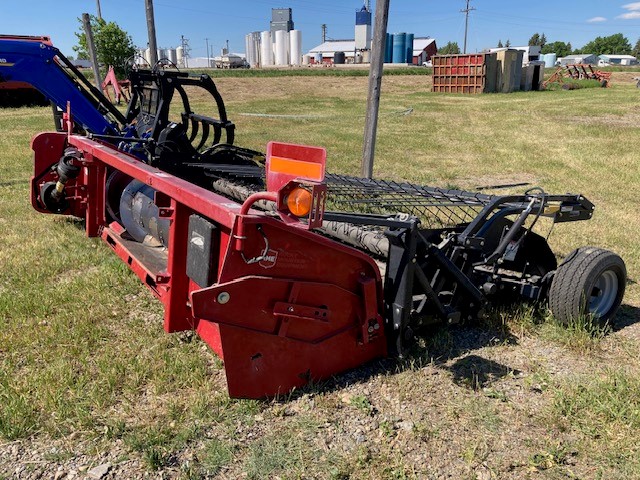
375 83
86 21
151 29
99 10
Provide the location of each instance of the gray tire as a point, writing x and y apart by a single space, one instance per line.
590 282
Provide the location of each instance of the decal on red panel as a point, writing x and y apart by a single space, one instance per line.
269 260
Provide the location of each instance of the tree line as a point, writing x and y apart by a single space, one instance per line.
616 44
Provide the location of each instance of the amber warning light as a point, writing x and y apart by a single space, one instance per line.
296 173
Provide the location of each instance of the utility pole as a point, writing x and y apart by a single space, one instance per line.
375 82
86 21
151 29
466 23
99 10
208 60
324 32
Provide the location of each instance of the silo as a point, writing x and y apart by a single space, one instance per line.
409 48
247 48
295 50
306 59
318 58
147 55
161 54
266 49
173 56
282 47
399 48
550 60
180 56
388 49
255 50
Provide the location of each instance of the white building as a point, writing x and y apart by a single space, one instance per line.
581 58
624 60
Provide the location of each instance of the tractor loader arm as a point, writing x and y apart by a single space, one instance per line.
29 60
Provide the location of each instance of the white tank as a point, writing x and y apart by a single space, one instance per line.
550 60
180 56
247 49
161 54
295 47
266 49
282 47
255 50
306 59
147 55
172 55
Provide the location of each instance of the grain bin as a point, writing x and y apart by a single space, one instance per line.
409 48
399 48
339 58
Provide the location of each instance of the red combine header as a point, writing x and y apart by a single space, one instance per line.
289 273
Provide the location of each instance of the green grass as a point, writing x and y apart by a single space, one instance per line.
83 352
306 72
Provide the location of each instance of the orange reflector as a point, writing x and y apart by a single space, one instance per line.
297 168
299 202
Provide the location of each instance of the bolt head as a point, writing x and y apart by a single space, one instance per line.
223 297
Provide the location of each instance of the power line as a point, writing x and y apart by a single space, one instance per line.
466 23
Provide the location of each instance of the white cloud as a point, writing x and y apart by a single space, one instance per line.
630 15
632 6
597 20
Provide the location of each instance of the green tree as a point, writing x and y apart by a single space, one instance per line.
636 50
613 44
538 40
560 48
507 43
500 45
451 48
113 45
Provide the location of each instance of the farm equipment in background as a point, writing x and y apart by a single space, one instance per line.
121 88
289 273
579 71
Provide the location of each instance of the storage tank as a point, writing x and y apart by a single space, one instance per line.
282 47
306 59
266 49
180 56
162 53
318 57
247 48
388 49
173 56
147 55
409 48
339 58
550 60
399 48
295 47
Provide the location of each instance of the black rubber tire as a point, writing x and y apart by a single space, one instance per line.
575 279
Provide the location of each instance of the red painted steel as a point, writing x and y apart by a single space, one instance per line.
289 307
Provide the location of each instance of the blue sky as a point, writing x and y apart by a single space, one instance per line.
577 21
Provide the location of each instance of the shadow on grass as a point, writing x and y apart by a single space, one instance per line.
627 316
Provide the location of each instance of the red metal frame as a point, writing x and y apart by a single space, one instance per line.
278 319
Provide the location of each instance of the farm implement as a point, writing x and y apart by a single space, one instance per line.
289 273
579 71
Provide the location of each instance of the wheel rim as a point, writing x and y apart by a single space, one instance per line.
604 294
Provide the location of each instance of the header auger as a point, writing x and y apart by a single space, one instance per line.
289 273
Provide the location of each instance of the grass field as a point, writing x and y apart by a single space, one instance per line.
87 375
